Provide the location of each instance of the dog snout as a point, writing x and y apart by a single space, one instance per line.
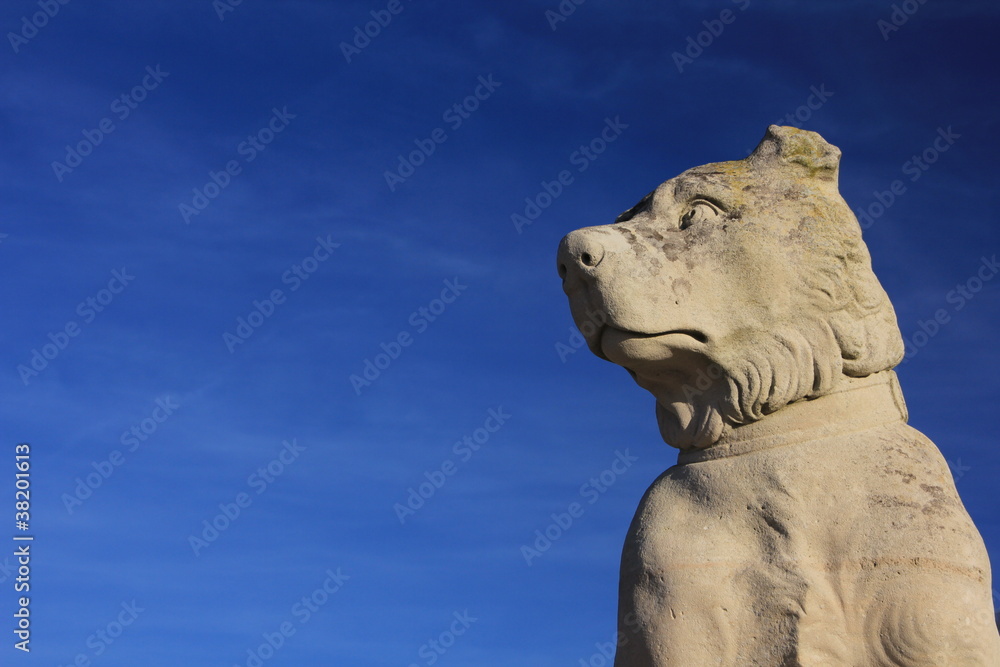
579 254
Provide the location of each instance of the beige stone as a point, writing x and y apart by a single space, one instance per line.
805 523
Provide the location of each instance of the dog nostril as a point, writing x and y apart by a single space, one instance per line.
586 251
579 255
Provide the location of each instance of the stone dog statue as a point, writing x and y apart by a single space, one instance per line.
805 524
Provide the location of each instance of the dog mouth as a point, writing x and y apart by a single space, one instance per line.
691 333
621 346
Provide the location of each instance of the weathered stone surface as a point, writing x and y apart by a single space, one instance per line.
805 523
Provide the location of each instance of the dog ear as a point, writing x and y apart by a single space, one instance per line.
802 148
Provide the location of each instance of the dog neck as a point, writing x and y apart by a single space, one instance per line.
856 404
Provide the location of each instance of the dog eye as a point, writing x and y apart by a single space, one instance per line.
700 212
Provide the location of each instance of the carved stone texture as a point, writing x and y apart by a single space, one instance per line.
805 523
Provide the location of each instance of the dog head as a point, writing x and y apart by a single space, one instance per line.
734 289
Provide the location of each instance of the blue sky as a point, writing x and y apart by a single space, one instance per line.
280 139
